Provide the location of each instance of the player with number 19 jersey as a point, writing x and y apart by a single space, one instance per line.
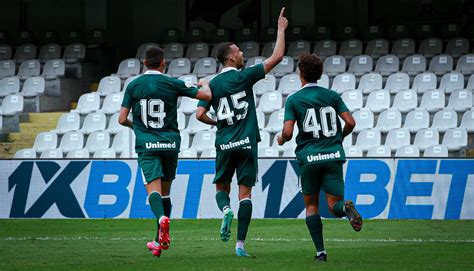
234 103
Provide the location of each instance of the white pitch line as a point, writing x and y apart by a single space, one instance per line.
340 240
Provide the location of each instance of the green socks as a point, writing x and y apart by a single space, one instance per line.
222 199
338 209
315 227
156 205
244 216
166 205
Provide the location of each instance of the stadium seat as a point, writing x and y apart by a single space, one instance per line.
378 101
45 141
105 153
387 65
405 101
370 82
87 103
364 119
97 141
360 65
433 100
188 105
51 154
373 32
109 84
74 53
266 84
377 48
323 81
426 137
388 120
128 67
344 82
95 38
72 36
436 151
455 139
353 99
5 52
299 47
188 153
444 120
430 47
350 48
403 48
414 64
334 65
142 49
408 151
424 81
379 151
25 154
457 47
195 126
179 66
203 140
94 122
119 144
49 51
467 121
450 30
347 141
173 50
289 153
250 49
296 33
353 151
29 68
11 105
208 153
321 32
245 34
181 119
128 81
424 31
268 152
451 81
254 61
325 49
68 122
268 34
398 31
9 85
465 64
286 66
112 103
460 100
275 121
53 69
470 83
367 139
205 66
184 139
114 126
25 52
197 50
220 35
289 83
268 48
71 141
171 35
260 118
265 139
33 86
345 32
441 64
397 138
416 120
270 102
7 68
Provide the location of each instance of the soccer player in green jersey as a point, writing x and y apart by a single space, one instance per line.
319 148
152 98
237 130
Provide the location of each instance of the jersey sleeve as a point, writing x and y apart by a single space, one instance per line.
255 73
204 104
127 98
340 106
289 110
184 90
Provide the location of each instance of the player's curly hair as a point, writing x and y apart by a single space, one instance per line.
223 52
154 57
311 67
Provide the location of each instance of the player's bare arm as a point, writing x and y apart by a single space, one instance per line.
349 123
279 50
287 132
201 115
204 92
123 117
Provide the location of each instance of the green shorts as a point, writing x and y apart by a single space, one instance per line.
327 176
242 161
160 164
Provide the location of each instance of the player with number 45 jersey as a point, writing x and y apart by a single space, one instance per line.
237 130
153 99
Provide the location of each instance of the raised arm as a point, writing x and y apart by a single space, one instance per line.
279 50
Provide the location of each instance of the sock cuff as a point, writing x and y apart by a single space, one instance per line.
155 192
165 197
249 200
313 218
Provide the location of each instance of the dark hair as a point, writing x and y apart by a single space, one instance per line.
311 67
153 57
223 52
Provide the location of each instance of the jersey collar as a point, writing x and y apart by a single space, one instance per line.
226 69
152 72
308 85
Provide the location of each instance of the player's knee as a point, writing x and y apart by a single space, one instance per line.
312 210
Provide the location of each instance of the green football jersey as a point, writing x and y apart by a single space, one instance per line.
316 110
234 103
153 98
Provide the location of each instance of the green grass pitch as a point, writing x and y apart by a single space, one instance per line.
275 244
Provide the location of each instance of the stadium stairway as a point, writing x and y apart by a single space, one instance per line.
37 123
